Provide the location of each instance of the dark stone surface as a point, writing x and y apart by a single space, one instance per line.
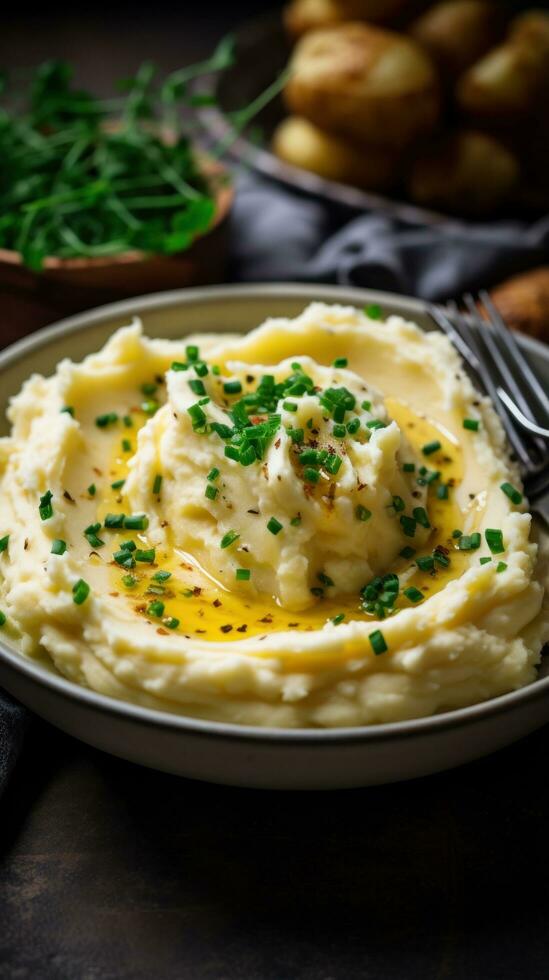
112 871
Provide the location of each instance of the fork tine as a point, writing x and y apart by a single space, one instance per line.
510 342
499 360
440 317
468 339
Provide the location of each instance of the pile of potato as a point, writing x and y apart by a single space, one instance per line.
452 109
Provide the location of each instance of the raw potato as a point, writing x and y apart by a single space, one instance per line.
523 302
306 15
457 32
531 27
364 83
465 172
302 144
510 80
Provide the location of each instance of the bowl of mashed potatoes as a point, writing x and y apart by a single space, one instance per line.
268 536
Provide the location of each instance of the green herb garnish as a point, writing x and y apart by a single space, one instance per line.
228 539
274 526
58 547
510 491
494 540
377 642
472 424
45 508
80 592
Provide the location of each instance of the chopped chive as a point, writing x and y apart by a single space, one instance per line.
229 538
68 409
211 492
243 575
494 540
124 558
409 467
213 474
91 536
2 618
198 417
426 563
4 543
469 542
45 508
340 362
80 592
149 388
485 560
290 406
192 352
441 559
172 622
420 515
92 489
296 521
407 552
232 387
442 491
150 407
457 533
409 525
333 464
129 581
398 504
373 311
58 547
377 641
126 445
339 431
353 426
510 491
196 386
413 594
128 546
114 520
296 435
274 526
366 405
157 484
178 366
375 424
161 576
128 422
136 522
336 620
471 424
310 475
201 369
247 456
108 418
501 566
147 556
216 369
156 608
431 447
232 452
118 484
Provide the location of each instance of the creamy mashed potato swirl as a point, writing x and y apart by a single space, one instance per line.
315 524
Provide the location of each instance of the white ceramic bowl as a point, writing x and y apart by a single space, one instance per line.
235 754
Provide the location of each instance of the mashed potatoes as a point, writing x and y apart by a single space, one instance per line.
304 526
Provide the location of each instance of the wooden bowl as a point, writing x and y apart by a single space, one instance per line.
65 286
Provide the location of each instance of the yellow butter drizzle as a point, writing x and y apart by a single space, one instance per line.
208 611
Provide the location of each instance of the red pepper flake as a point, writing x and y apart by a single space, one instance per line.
114 594
266 619
226 629
26 545
277 444
197 590
68 497
293 625
162 631
200 631
242 629
217 603
97 471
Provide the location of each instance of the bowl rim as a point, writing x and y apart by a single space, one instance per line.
125 710
223 193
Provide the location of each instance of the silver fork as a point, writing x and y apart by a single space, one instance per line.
501 369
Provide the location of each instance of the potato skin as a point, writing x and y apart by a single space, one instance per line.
523 302
302 144
364 83
465 173
509 81
307 15
456 33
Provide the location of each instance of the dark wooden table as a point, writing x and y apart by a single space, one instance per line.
112 872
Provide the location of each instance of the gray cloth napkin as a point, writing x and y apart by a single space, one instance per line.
280 235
